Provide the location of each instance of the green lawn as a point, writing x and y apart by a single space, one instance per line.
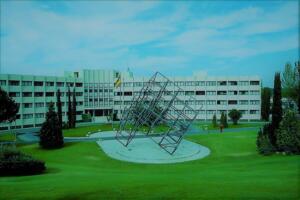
230 125
7 137
234 170
82 131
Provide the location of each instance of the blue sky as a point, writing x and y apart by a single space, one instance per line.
174 37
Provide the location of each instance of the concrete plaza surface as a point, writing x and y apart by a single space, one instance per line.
145 150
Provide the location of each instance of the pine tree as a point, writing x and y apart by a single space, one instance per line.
74 109
276 108
69 109
214 121
265 103
59 109
298 89
51 133
223 120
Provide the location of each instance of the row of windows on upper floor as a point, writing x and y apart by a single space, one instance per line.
202 102
42 115
42 104
198 92
97 90
195 83
38 83
41 94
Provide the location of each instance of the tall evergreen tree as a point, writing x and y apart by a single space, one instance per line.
223 120
265 103
298 89
51 133
276 108
8 107
214 121
69 109
59 109
74 109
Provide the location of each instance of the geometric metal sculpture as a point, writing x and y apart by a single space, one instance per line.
158 105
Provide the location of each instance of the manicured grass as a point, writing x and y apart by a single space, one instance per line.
7 137
230 125
83 131
234 170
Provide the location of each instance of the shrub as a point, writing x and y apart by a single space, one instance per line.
14 162
263 143
235 116
86 117
288 133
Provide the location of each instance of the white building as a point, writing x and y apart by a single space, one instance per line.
97 95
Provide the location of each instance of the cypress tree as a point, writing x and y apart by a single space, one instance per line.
298 89
225 121
50 133
59 109
74 109
276 108
265 103
214 121
69 109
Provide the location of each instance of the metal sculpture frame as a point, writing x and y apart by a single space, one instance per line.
177 114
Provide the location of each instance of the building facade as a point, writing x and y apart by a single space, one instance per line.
96 94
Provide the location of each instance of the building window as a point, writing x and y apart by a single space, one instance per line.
26 83
243 92
2 82
200 92
78 84
232 92
49 83
211 93
232 102
39 104
79 94
243 83
210 112
244 102
253 112
211 83
254 82
39 115
38 83
127 93
27 116
14 83
60 84
210 102
200 102
232 82
222 83
38 94
254 92
200 83
244 112
222 92
222 102
27 105
49 94
14 94
189 93
254 102
70 84
27 94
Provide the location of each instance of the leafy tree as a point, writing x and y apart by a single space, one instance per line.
265 103
59 109
276 108
263 143
235 115
8 108
51 133
288 134
289 82
69 109
74 109
214 121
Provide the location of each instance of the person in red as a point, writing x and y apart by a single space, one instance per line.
221 128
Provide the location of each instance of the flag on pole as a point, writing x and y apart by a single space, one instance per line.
118 81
